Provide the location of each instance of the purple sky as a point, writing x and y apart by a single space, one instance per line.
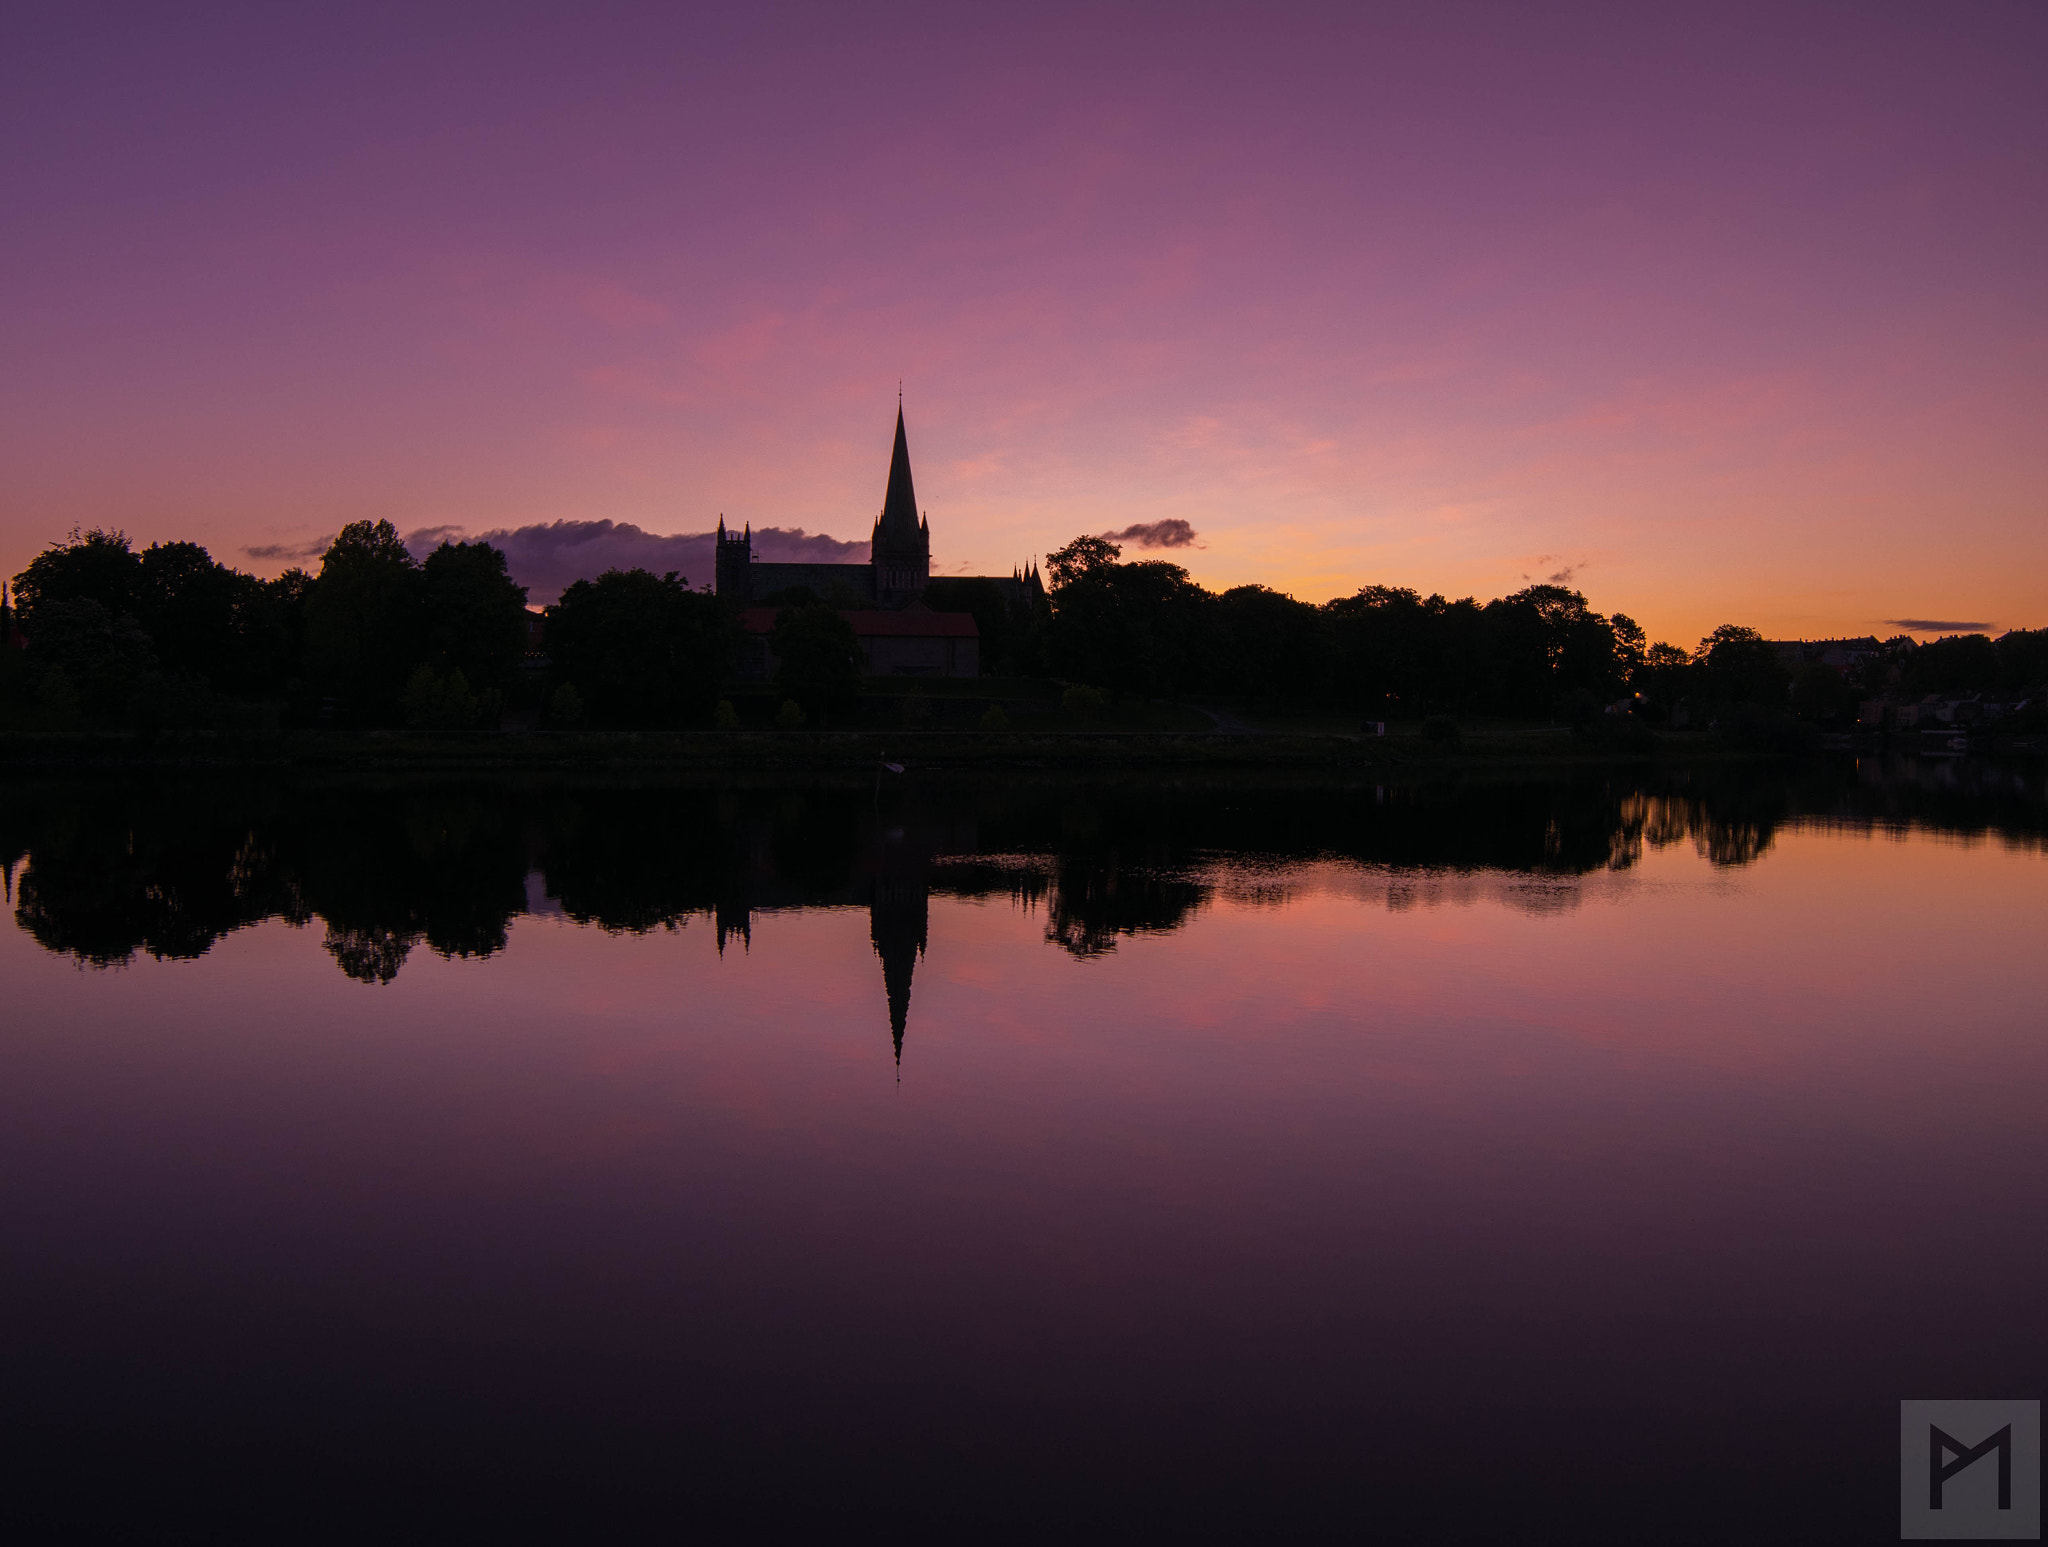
1727 316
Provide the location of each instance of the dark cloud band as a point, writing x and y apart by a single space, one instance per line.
1939 625
292 552
1170 533
549 557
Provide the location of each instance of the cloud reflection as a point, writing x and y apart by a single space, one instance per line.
165 869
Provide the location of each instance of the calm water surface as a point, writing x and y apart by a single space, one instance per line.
1594 1159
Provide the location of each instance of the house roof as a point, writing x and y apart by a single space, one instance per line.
911 623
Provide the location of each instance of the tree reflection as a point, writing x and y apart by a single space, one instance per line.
370 955
104 870
1095 900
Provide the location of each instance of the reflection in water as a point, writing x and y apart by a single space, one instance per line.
1434 1140
116 868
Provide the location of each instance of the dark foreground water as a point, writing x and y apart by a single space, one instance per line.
1588 1160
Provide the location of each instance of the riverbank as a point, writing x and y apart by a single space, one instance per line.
826 751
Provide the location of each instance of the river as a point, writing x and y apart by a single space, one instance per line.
1592 1157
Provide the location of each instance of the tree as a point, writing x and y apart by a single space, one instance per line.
363 619
2023 657
1549 648
1268 645
188 605
475 614
640 648
270 626
1665 676
1955 663
1590 661
1631 645
1087 637
1379 647
1082 557
92 566
1819 693
433 702
1740 667
983 598
89 657
817 659
206 624
1168 627
1557 609
1141 627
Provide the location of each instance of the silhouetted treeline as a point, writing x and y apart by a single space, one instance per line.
633 648
167 868
1960 663
170 638
1146 627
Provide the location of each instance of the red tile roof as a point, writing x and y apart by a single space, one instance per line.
914 623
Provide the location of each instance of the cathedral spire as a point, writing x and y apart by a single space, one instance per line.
899 506
901 550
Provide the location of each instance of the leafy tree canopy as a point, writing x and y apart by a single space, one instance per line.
1082 557
1740 667
363 618
94 566
1956 663
475 614
817 658
93 658
641 649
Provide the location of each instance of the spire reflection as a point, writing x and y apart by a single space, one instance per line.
114 869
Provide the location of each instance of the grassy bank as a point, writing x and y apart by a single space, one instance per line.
1482 745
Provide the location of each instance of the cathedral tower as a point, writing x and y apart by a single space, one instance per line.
733 562
901 549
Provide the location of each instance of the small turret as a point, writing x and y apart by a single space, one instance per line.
732 562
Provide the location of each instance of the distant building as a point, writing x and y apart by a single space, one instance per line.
1841 654
915 642
899 566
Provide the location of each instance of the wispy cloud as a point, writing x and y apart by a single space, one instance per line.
1172 532
1940 625
271 553
1564 574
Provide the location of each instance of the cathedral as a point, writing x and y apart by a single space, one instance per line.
899 567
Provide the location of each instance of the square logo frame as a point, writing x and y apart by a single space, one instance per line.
1970 1470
